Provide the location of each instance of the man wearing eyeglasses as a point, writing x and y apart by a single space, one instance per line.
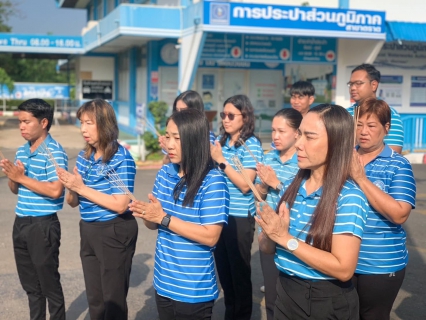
363 84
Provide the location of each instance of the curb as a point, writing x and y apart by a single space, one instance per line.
149 165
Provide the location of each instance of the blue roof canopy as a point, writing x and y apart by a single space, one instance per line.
405 31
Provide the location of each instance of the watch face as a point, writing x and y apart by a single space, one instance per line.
166 221
222 166
292 244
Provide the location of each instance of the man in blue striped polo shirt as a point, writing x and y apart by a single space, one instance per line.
36 231
363 84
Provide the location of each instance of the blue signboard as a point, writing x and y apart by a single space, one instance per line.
314 49
35 43
263 47
266 48
235 17
24 91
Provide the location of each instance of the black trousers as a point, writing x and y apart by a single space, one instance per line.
232 255
270 277
377 293
106 252
169 309
36 242
315 300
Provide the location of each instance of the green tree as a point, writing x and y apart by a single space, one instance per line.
5 80
7 9
158 110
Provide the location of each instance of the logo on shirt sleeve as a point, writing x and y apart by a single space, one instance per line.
379 184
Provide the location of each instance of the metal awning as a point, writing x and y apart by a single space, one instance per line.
405 31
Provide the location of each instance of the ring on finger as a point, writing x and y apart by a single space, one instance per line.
143 211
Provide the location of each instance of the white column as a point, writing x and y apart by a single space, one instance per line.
191 47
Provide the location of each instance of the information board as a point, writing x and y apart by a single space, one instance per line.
97 89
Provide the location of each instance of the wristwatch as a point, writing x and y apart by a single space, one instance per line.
222 165
292 244
166 221
280 186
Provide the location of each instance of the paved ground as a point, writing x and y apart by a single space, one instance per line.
410 304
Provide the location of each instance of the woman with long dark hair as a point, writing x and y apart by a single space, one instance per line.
387 180
233 252
279 165
108 230
317 232
186 100
189 205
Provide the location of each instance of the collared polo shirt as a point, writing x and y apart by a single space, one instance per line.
184 269
350 218
284 172
95 176
383 248
38 167
241 204
395 137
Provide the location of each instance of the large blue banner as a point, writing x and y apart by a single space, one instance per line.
24 91
299 20
35 43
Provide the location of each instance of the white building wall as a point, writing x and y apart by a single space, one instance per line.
350 53
93 68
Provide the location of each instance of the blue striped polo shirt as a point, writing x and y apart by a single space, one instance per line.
241 204
395 137
184 269
351 215
383 247
212 140
38 167
94 174
284 171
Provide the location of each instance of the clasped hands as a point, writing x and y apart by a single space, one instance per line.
274 226
13 171
151 211
267 175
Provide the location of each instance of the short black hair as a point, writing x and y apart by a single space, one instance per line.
40 109
372 72
303 88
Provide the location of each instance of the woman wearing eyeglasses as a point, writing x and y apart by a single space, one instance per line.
232 252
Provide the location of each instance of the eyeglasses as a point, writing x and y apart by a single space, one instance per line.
357 84
231 116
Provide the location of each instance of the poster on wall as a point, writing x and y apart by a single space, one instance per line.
390 90
320 75
418 92
265 95
208 90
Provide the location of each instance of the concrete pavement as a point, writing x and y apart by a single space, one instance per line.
410 304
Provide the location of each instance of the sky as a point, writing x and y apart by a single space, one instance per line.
42 17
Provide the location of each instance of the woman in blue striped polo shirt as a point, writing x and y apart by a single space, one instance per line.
317 233
108 230
233 252
279 165
189 205
388 182
186 100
